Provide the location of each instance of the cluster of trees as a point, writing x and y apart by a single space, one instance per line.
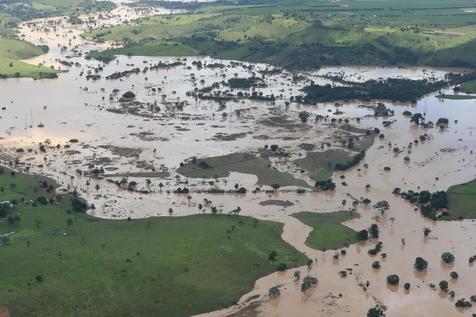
243 83
325 185
429 203
78 204
7 211
390 89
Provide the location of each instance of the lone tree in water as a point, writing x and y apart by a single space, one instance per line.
393 279
447 257
374 231
382 206
420 264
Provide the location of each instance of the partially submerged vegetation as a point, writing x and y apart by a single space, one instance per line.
149 264
389 89
321 165
431 205
459 202
395 89
328 232
13 50
221 166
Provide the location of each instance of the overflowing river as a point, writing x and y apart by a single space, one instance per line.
170 126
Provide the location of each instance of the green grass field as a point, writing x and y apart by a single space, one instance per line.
221 166
328 231
469 87
309 34
60 263
462 201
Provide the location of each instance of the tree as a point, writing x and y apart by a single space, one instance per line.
377 311
374 230
426 232
282 267
363 234
304 115
420 264
447 257
272 256
443 285
171 211
393 279
382 206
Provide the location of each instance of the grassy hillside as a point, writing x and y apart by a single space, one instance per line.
308 34
12 51
56 262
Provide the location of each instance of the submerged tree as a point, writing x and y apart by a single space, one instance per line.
420 264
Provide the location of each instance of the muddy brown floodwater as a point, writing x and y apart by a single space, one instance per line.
149 138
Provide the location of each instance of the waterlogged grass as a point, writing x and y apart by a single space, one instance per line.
221 166
328 231
59 263
320 165
462 201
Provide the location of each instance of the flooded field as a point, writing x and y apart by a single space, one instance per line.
127 155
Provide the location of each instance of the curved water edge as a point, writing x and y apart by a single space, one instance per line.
94 126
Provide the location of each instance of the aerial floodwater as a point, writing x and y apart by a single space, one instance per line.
245 158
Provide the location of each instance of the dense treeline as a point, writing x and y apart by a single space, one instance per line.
389 89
